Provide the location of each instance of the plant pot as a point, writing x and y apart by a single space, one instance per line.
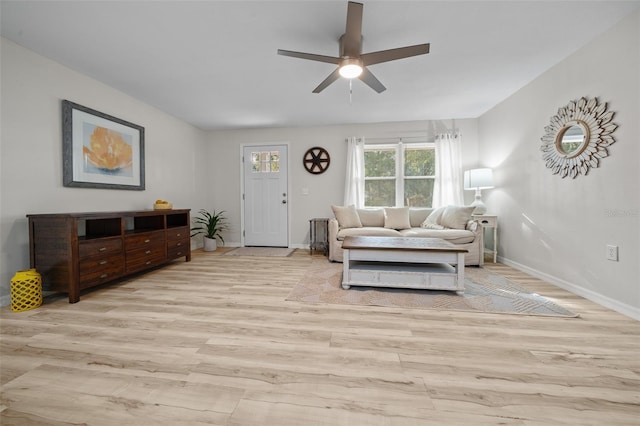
210 244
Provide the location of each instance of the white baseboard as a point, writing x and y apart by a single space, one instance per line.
598 298
5 300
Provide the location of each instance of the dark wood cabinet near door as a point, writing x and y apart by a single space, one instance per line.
76 251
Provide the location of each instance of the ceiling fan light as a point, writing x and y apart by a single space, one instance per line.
350 68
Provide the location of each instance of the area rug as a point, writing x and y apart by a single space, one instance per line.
485 291
261 251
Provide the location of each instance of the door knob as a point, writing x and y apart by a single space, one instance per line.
284 201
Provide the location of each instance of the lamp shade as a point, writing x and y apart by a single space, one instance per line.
478 179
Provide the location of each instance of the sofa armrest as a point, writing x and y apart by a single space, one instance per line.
333 228
474 226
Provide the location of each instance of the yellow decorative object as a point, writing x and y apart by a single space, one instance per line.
162 205
26 290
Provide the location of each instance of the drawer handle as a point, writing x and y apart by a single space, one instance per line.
103 262
485 221
147 252
104 275
147 240
178 235
102 249
179 253
178 245
148 262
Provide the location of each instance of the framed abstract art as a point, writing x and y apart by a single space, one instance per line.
101 151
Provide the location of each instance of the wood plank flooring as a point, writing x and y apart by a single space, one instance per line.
213 342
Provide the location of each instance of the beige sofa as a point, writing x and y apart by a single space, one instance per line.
467 233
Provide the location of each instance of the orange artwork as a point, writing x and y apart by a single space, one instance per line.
107 150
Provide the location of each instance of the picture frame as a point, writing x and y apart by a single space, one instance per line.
101 151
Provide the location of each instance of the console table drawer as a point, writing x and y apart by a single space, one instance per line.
99 270
152 250
144 239
176 252
145 261
178 248
180 233
171 244
99 247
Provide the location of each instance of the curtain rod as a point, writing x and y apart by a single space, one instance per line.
396 139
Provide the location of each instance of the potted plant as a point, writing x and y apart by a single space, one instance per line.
211 226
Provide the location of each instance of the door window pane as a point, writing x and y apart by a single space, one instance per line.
265 162
275 161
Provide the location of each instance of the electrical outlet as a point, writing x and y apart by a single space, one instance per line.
612 252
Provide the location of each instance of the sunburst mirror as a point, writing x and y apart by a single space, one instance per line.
577 137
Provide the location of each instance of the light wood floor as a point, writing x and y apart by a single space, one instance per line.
214 342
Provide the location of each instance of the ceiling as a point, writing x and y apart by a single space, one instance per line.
214 64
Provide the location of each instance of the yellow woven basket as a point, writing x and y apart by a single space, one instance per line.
26 290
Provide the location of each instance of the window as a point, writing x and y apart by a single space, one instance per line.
399 174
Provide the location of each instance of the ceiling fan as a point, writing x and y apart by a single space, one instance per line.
352 62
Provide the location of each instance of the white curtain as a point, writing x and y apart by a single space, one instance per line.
448 184
354 179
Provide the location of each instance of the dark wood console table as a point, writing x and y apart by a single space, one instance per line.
76 251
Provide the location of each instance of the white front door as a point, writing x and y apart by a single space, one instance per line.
266 209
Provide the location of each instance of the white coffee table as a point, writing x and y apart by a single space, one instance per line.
403 262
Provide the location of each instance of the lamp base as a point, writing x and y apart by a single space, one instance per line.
480 207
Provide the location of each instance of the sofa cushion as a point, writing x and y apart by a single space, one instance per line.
456 217
367 232
371 217
396 218
418 215
347 216
454 236
433 220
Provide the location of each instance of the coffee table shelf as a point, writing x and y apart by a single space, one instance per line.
417 263
431 276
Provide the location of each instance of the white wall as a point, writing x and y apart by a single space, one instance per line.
31 152
324 189
558 228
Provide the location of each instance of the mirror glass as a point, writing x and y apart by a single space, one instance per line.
572 139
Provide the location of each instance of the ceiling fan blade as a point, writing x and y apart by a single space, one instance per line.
370 80
352 39
393 54
309 56
327 81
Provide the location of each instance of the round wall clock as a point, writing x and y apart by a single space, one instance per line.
316 160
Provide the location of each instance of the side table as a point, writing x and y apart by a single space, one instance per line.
318 235
490 221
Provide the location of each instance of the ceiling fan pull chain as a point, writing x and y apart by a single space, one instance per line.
350 91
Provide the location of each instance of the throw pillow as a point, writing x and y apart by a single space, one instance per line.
397 218
433 220
456 217
347 216
371 217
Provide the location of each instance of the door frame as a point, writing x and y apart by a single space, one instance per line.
289 198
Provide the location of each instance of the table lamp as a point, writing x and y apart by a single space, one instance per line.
478 179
